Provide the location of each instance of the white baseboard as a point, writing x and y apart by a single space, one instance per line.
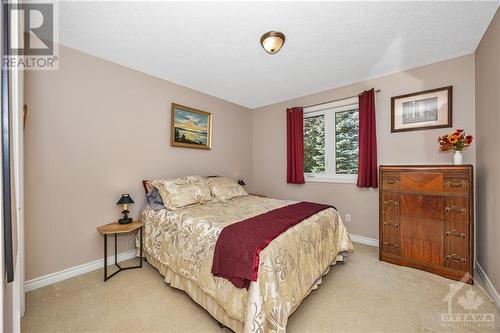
68 273
48 279
488 285
364 240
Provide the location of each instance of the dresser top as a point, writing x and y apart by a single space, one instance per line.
433 167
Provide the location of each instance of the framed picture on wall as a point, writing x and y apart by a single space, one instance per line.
422 110
191 128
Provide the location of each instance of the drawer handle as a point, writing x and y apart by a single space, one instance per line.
391 181
391 244
454 233
456 184
456 210
389 224
391 202
456 258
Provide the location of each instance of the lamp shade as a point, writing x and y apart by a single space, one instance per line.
272 41
125 199
241 182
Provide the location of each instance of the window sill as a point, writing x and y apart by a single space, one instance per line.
340 180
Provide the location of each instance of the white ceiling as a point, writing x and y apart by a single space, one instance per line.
214 47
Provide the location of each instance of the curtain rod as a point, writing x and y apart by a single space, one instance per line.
340 99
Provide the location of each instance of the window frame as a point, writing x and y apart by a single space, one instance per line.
329 111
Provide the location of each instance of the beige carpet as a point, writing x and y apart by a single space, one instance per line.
361 295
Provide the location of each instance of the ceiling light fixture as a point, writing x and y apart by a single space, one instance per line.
272 41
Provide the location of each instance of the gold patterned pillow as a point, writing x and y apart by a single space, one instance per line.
184 191
224 189
149 184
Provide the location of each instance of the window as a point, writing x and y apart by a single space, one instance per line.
331 142
314 144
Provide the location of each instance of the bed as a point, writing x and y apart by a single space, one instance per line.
181 243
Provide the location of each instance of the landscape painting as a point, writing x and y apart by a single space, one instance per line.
191 128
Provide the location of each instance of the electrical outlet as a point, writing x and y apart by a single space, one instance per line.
348 217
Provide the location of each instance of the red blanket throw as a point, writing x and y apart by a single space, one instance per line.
237 250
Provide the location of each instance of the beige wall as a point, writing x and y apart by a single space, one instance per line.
418 147
488 157
95 130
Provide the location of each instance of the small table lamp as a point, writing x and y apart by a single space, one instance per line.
125 200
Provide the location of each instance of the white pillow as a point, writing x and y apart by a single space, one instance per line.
184 191
224 189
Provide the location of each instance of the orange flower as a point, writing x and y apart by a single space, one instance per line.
457 141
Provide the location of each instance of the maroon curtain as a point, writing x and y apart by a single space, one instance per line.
367 160
295 145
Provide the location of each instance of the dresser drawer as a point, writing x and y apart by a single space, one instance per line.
456 256
457 209
390 207
422 181
390 222
391 246
457 235
456 183
391 181
391 236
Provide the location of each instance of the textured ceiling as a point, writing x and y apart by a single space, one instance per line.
214 47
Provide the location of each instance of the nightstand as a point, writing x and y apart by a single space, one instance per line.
258 195
117 228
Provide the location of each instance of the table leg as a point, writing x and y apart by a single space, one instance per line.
106 277
105 257
140 247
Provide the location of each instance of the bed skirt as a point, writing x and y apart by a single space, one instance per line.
210 304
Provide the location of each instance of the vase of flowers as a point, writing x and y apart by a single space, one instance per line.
456 142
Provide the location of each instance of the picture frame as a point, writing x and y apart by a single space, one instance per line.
190 128
422 110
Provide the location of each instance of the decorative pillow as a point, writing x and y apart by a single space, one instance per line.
150 184
184 191
154 199
224 189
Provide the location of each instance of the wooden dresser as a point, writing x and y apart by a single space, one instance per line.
426 218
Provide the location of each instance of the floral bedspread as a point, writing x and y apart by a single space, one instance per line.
184 241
